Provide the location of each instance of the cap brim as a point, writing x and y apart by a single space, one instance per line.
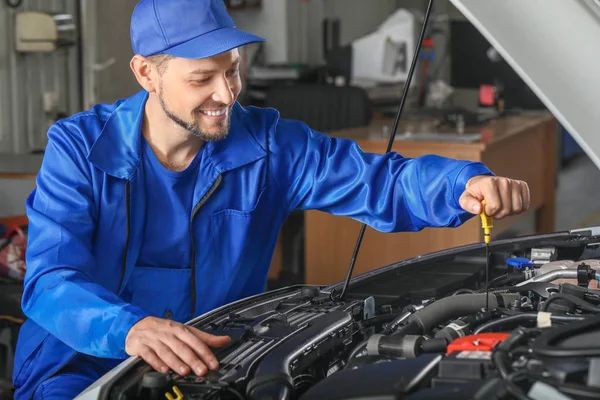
213 43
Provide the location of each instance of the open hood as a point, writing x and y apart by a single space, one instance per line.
553 46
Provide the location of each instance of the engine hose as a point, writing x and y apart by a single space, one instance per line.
500 355
572 299
532 316
452 307
377 320
434 346
505 280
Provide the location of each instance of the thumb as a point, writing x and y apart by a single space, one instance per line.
213 340
470 203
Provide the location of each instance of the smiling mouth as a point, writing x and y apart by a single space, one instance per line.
214 113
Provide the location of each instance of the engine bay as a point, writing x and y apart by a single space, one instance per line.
424 328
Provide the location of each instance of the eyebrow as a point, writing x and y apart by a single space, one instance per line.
212 71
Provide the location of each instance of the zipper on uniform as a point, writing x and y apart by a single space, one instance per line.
197 207
127 209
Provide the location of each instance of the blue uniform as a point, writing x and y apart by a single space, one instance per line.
114 238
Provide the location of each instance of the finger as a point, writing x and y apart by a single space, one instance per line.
188 354
148 355
491 194
470 203
505 189
192 337
211 340
517 197
525 195
165 352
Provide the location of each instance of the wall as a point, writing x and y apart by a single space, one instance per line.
24 78
107 52
270 22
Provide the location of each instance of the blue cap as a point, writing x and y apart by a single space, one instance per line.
185 28
520 262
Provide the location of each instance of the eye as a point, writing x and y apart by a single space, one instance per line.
198 82
233 71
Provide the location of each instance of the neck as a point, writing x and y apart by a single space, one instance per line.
174 146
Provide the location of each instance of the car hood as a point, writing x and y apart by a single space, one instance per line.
553 46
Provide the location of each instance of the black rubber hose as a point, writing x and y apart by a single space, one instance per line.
453 307
500 355
531 316
572 299
412 328
434 346
377 320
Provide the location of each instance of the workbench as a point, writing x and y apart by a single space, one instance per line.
521 147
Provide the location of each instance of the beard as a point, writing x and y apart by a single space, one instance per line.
194 127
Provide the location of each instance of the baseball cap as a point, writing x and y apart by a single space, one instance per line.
185 28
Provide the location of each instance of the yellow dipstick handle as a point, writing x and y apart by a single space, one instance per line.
487 223
169 396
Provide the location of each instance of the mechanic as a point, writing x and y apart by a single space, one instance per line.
166 205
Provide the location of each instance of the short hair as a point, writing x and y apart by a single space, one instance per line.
160 61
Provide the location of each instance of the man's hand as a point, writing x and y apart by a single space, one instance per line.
503 196
168 344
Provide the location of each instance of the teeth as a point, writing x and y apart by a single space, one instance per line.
215 113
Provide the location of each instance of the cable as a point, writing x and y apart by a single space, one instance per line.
526 317
567 297
498 280
391 141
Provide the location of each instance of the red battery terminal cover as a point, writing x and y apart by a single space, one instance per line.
479 342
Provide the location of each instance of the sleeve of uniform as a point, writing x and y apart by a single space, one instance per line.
389 192
59 294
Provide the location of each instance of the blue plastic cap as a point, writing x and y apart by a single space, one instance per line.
520 262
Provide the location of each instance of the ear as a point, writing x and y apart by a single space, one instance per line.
145 73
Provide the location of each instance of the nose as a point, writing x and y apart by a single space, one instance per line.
223 93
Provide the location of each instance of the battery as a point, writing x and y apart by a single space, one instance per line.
479 342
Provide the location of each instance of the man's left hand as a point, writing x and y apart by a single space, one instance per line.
503 196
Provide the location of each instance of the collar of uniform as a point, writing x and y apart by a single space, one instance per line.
117 149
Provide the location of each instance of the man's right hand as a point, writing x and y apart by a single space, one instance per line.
168 344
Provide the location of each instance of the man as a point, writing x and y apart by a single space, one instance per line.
165 205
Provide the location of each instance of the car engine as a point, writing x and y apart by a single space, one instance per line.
532 333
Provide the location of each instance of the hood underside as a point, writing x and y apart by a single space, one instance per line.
554 47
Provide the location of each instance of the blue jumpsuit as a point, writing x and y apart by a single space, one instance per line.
93 217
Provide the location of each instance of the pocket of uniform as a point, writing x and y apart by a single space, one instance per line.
162 292
231 229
